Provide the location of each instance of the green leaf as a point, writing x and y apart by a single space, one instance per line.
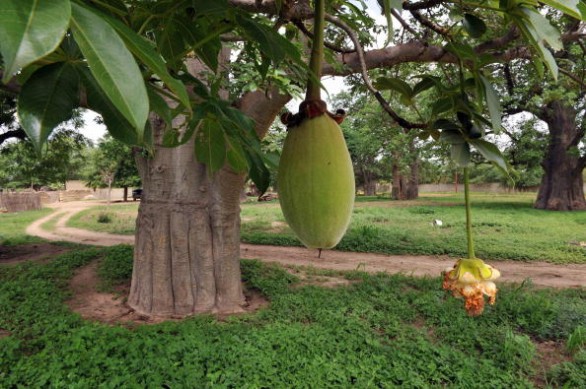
146 53
47 99
474 25
582 9
159 105
490 152
427 82
493 102
396 84
451 136
445 124
386 5
29 30
210 145
269 41
236 156
259 174
114 7
442 105
569 7
460 153
98 101
462 50
542 30
112 65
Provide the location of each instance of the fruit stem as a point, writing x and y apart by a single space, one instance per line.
468 215
317 52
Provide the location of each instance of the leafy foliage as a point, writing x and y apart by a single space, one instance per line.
381 330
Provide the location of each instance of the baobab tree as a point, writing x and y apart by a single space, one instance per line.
159 72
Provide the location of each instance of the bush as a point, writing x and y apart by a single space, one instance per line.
104 218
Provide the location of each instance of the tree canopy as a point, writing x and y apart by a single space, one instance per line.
122 59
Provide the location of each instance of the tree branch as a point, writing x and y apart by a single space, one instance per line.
403 23
382 101
413 51
421 4
18 134
299 24
429 24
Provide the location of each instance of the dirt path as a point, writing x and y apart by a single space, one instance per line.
540 273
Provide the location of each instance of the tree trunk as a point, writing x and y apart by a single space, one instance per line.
187 248
109 191
398 184
369 184
411 191
562 184
125 195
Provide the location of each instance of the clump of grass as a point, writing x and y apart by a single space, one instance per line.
577 339
104 218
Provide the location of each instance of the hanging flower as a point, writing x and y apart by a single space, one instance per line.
472 279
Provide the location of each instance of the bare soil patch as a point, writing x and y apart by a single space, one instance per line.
30 252
111 308
549 353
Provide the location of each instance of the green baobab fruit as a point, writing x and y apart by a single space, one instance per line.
316 182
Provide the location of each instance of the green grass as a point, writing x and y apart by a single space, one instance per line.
505 227
13 226
114 219
381 331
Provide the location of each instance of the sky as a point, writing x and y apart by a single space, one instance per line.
334 85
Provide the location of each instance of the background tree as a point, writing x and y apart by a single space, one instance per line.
112 164
559 103
60 162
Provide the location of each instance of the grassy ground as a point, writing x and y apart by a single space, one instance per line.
13 225
381 331
505 227
114 218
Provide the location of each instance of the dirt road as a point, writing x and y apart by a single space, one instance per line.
540 273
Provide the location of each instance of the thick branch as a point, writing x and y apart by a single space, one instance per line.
430 24
18 134
421 4
262 107
499 42
289 10
413 51
382 101
405 25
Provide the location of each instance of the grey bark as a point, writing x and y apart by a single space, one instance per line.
187 250
562 184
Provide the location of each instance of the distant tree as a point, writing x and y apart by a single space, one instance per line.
366 132
111 164
60 161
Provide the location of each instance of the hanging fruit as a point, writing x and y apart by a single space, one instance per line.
315 178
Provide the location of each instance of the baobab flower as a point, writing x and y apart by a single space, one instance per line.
472 279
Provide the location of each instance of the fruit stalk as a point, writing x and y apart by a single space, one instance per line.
469 238
317 52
